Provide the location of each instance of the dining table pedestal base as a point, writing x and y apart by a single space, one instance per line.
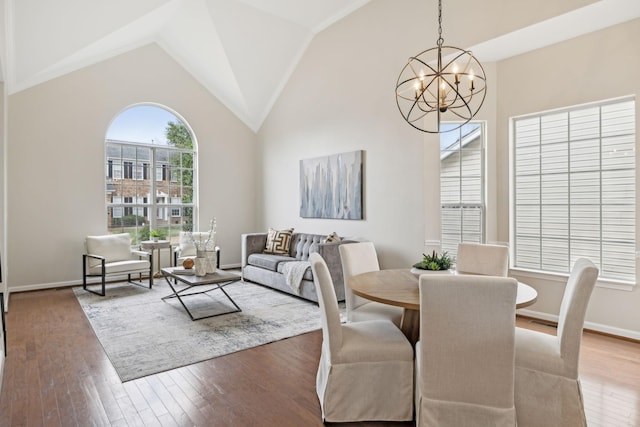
410 325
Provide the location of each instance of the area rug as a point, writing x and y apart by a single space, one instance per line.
143 334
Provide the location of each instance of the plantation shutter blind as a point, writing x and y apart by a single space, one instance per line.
574 195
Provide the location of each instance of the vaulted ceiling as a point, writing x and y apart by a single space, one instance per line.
242 51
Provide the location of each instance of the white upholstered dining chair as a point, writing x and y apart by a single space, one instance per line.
366 368
465 355
547 387
358 258
479 258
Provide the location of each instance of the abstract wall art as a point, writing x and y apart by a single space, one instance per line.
331 186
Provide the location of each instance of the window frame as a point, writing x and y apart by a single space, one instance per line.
156 211
479 205
573 155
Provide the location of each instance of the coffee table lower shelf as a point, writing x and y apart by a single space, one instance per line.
217 281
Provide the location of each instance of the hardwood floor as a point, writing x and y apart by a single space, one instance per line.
56 374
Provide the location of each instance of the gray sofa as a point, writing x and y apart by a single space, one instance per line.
267 269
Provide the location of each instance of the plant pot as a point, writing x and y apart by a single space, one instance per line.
418 271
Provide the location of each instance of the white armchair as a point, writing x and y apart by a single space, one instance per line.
186 248
112 255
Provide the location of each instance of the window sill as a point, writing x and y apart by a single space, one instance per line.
562 278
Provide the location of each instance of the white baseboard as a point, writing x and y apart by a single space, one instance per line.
228 266
90 281
1 368
592 326
54 285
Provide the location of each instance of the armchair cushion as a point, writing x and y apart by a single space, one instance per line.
112 247
121 267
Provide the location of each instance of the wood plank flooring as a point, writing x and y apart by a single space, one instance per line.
56 374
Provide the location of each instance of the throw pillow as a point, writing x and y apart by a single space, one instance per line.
333 237
278 241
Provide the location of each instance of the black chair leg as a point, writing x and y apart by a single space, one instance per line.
84 272
151 268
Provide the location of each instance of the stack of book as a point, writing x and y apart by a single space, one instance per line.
184 271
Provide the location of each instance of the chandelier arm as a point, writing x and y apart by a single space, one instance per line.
425 64
461 53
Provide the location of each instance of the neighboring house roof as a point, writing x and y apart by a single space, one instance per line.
452 145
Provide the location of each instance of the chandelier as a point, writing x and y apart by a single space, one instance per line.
443 83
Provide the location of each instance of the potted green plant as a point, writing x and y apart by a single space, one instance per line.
434 262
155 235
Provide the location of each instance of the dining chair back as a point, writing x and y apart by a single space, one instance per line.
465 355
484 259
547 387
358 258
366 368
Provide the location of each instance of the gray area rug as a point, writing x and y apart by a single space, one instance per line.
143 334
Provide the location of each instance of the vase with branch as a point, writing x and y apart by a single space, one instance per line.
205 244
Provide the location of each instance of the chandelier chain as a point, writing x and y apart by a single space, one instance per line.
440 39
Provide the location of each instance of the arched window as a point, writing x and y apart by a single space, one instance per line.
150 174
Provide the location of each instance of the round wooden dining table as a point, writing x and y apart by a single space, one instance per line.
400 288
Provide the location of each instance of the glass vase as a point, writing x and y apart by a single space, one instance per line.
211 254
201 263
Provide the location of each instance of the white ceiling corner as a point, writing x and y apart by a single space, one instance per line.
242 51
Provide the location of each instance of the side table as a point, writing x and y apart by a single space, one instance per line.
150 245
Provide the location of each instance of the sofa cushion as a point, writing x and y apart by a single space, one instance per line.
268 261
278 241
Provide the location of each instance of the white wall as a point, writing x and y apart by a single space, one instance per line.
341 98
594 67
55 175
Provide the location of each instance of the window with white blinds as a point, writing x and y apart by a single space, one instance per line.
574 189
462 185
